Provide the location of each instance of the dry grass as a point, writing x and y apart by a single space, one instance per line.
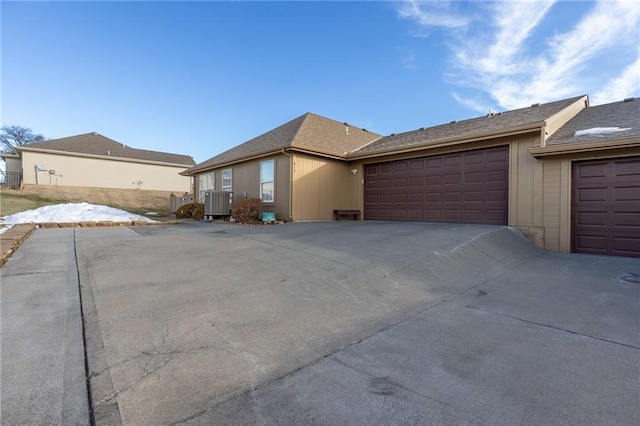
132 200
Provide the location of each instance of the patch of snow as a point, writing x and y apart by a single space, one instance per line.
151 214
72 212
600 131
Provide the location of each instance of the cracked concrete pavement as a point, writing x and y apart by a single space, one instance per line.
332 323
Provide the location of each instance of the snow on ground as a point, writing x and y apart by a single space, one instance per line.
599 131
72 212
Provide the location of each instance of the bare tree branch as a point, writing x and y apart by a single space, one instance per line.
12 137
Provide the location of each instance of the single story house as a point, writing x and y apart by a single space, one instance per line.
93 160
545 169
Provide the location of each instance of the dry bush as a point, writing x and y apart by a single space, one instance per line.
247 210
185 211
198 211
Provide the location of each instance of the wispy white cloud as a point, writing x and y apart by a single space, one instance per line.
495 54
432 14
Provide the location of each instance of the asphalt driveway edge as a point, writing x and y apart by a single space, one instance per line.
99 383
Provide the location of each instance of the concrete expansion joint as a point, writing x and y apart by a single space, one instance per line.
540 324
84 331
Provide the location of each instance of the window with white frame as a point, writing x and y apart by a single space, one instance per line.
267 169
206 182
226 180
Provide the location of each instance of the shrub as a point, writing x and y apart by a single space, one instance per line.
247 210
198 211
184 212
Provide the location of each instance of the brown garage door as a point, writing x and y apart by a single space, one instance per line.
464 187
606 207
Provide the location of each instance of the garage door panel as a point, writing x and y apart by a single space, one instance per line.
415 182
452 215
474 177
597 218
417 198
591 171
460 187
400 166
416 165
626 169
626 193
586 195
474 196
625 246
624 219
497 156
474 158
499 195
606 207
452 161
433 180
496 176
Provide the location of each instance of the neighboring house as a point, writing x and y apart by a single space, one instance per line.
297 169
519 168
92 160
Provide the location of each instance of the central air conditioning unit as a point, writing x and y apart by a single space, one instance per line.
217 203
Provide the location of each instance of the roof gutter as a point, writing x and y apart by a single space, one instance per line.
459 140
575 148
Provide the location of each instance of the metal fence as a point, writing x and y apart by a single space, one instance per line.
12 180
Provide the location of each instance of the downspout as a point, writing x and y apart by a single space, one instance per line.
290 182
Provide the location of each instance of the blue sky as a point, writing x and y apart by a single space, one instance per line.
198 78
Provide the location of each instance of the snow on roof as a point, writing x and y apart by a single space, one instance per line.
72 212
600 131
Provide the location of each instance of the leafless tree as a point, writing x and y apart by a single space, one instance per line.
12 137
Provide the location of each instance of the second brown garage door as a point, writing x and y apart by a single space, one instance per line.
464 187
606 207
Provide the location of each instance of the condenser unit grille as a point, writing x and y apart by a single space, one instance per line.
217 203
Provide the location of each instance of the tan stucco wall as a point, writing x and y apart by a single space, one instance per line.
321 185
246 178
99 173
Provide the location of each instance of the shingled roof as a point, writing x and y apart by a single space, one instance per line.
497 122
617 120
96 144
308 132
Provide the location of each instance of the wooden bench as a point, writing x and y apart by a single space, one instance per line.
351 214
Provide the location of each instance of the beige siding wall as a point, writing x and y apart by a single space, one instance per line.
13 165
525 190
552 189
246 179
98 173
321 185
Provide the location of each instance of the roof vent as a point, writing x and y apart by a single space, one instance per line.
422 128
629 99
535 105
453 122
392 134
95 134
364 130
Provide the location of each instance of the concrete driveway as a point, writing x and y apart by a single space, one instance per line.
317 323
